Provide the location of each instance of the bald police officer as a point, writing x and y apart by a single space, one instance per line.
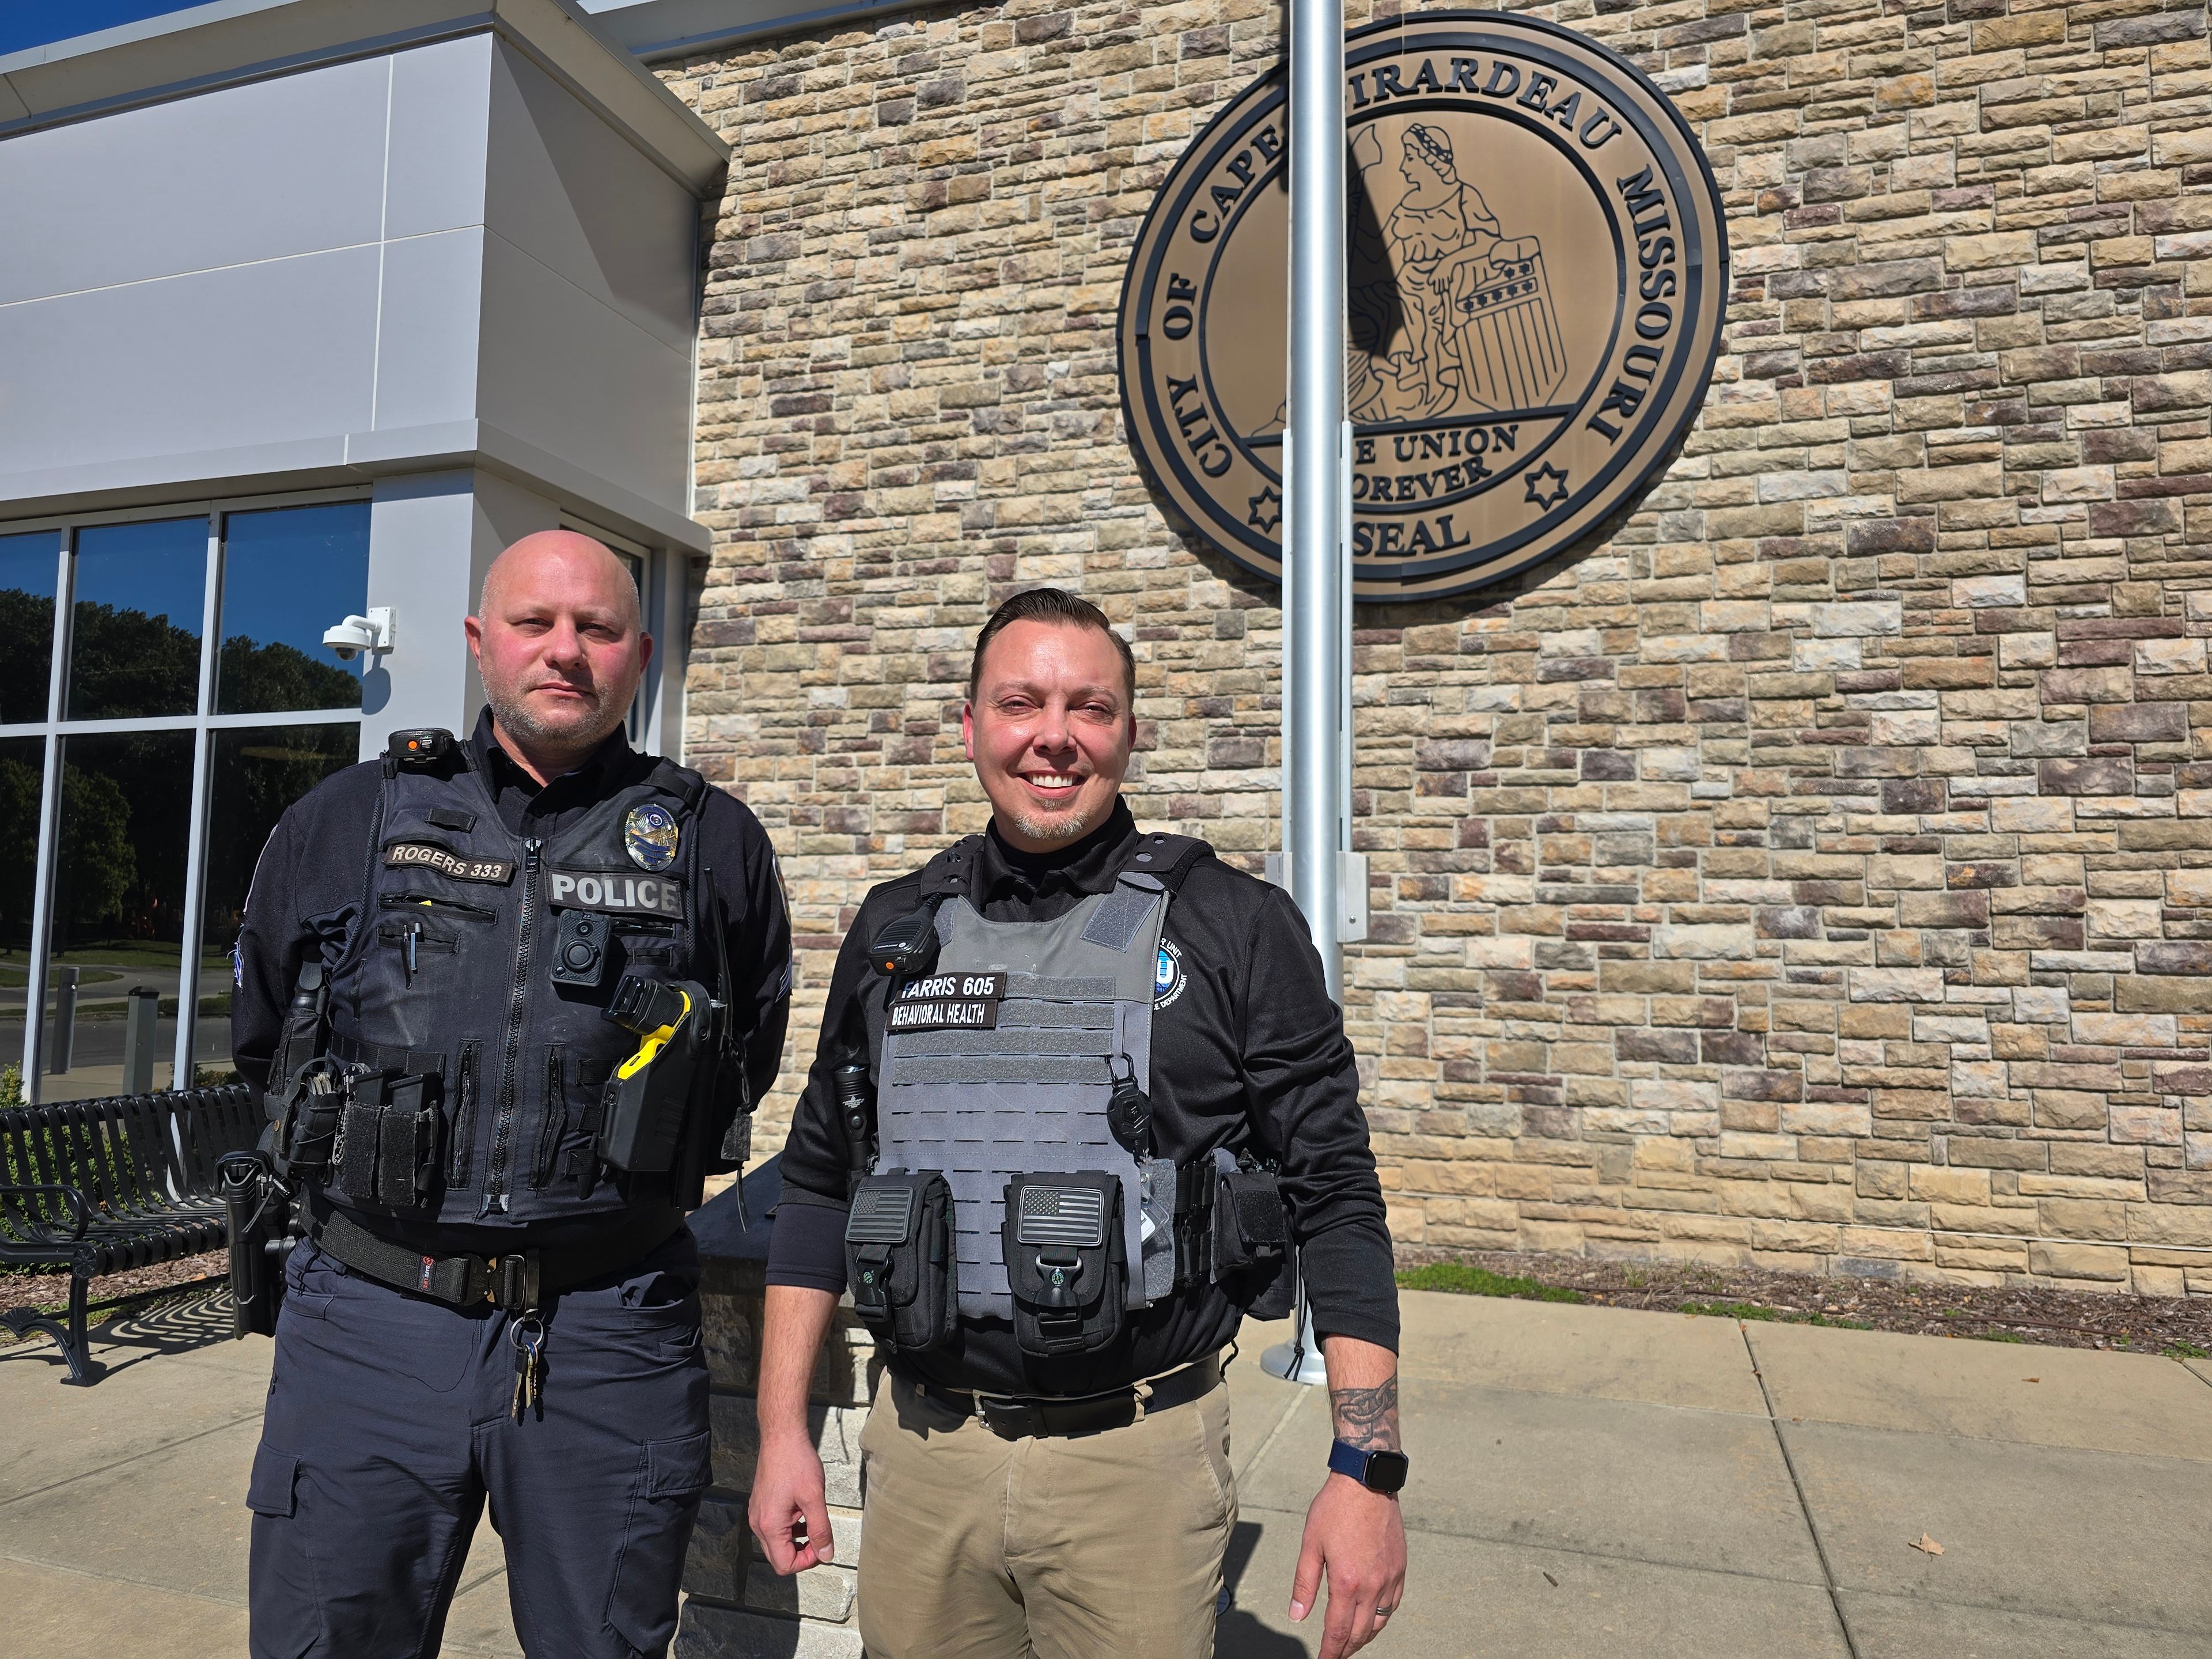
1078 1088
509 999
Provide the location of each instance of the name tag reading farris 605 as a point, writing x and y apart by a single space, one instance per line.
948 1002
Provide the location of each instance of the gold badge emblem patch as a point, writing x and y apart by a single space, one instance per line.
650 834
1537 269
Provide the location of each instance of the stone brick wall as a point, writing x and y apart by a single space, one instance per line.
1819 874
735 1605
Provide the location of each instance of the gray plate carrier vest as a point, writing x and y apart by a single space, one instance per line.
1029 1096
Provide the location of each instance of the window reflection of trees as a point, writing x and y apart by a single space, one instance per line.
125 823
279 675
118 855
258 772
125 664
26 654
22 767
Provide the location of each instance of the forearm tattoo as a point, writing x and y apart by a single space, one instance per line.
1367 1418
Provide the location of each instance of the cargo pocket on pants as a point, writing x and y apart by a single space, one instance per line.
283 1601
641 1607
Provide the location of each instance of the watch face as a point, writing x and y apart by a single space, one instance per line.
1387 1471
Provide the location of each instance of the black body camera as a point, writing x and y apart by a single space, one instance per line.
579 948
420 749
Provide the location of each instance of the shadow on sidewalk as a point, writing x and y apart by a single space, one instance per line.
1236 1633
195 1320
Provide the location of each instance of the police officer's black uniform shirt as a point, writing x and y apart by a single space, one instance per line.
307 891
1244 1038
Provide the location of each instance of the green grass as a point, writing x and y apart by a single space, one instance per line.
2185 1350
21 976
1459 1279
210 1007
125 953
1996 1336
1730 1311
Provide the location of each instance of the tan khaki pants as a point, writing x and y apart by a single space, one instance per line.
1103 1545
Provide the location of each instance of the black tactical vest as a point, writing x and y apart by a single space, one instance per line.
450 971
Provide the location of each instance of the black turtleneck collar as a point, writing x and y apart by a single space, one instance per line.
524 805
1024 885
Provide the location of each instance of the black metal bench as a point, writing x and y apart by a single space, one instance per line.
93 1187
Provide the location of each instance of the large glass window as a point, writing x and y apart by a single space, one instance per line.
22 780
118 904
286 576
180 745
140 590
258 772
28 566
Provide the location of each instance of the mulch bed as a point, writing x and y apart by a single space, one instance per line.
51 1291
2178 1326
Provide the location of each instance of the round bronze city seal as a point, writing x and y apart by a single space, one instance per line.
1537 271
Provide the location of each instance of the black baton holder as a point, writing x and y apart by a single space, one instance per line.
259 1213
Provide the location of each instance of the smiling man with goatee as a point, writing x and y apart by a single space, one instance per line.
1080 1097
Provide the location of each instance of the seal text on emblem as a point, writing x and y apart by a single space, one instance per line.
1537 268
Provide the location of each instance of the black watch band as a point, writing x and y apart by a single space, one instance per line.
1378 1471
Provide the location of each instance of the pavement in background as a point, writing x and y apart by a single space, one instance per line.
1588 1481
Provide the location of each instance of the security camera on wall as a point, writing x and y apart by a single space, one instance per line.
358 633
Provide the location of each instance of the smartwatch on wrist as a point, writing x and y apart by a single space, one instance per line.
1377 1471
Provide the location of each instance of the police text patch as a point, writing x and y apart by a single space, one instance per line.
948 1002
427 855
617 890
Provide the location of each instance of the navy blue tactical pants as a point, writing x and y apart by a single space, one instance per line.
387 1428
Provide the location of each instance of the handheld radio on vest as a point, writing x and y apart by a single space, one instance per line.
907 947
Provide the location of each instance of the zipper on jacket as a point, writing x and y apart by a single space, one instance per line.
464 1119
518 1003
554 1124
431 902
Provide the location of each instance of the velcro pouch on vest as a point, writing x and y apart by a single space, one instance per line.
303 1123
1065 1259
899 1260
1252 1241
387 1149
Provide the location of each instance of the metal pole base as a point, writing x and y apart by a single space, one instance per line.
1300 1360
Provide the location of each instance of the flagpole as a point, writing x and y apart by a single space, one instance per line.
1317 586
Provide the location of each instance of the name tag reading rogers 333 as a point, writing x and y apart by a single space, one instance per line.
948 1002
427 855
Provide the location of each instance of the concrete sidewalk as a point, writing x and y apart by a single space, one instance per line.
1588 1482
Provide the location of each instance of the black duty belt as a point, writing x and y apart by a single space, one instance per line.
516 1280
1116 1409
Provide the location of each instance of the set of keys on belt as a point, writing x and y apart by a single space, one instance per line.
527 1337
